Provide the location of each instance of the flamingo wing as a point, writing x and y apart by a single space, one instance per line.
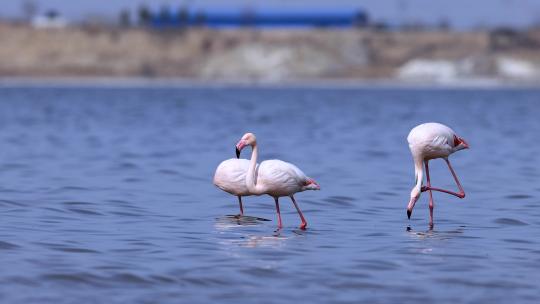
433 139
281 178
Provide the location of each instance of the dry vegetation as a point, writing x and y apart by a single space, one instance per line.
243 54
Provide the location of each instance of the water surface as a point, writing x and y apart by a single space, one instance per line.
106 196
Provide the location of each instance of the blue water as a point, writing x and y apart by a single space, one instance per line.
106 196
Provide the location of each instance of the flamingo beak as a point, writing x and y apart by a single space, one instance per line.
410 207
239 146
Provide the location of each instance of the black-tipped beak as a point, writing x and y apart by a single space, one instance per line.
409 212
237 153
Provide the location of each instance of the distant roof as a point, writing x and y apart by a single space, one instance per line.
252 18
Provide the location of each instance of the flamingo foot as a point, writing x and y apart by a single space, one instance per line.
303 226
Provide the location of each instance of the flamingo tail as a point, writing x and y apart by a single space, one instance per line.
311 184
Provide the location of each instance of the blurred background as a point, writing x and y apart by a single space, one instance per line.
273 41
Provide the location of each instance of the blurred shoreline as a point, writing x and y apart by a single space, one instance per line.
262 57
156 82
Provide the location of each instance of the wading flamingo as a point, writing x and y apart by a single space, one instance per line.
275 178
429 141
230 177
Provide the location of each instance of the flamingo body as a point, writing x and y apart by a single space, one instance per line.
230 176
281 178
430 141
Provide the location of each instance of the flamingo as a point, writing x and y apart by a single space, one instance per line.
230 177
430 141
275 178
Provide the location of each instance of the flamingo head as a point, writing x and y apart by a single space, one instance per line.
460 143
415 195
248 139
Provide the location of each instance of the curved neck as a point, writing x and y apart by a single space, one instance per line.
251 177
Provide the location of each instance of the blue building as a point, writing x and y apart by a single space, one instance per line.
184 18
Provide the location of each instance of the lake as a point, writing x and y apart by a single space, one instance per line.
106 196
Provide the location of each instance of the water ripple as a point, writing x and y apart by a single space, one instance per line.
107 197
7 246
510 222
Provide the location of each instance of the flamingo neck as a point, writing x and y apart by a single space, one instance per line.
251 176
418 173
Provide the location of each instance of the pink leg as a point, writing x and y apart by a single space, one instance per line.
241 207
280 225
304 223
461 193
430 194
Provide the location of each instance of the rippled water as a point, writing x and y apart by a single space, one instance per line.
106 197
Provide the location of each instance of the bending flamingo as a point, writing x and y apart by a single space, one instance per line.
275 178
429 141
230 177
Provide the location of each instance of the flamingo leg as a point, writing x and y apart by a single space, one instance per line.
280 225
304 223
240 203
460 194
430 194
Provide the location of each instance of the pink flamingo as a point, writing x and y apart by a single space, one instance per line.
275 178
230 177
429 141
